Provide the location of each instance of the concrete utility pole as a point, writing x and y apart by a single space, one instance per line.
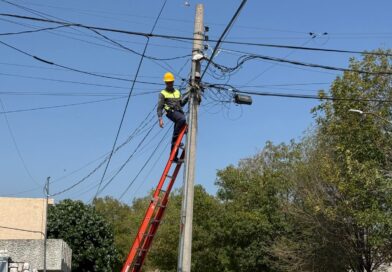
46 220
185 247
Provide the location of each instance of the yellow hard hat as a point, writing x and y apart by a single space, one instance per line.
168 77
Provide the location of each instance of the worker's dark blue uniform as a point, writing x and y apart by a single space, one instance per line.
172 102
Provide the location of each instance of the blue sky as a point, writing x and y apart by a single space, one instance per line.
66 143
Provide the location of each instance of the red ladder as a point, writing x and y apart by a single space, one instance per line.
154 213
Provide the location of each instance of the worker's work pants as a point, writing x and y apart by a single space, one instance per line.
178 118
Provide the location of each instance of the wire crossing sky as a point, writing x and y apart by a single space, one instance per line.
67 68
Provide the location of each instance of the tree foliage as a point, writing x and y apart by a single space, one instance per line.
341 206
86 232
321 204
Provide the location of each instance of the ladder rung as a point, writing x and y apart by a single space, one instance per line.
179 161
162 206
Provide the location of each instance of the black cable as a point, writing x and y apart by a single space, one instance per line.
60 34
33 31
22 192
61 106
315 97
69 24
62 70
123 165
74 69
63 66
96 185
274 64
16 145
145 164
136 132
192 39
222 36
42 15
72 94
160 155
135 52
78 82
126 105
246 58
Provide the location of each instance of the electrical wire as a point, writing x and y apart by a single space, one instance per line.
151 35
70 24
145 122
273 65
72 93
33 31
153 165
144 165
66 67
62 70
61 106
126 105
246 58
78 82
100 190
141 150
16 145
222 36
314 97
67 34
22 192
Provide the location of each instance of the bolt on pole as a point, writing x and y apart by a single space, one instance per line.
185 247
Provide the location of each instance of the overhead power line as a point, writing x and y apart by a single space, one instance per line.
16 145
61 106
151 35
139 129
99 190
223 35
72 93
33 31
145 164
78 82
314 97
40 59
246 58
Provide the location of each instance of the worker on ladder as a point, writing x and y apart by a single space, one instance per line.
171 100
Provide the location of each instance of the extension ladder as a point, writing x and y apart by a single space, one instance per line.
155 212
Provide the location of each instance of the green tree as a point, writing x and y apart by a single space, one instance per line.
341 209
252 195
121 217
86 232
164 251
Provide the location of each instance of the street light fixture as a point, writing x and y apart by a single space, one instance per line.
369 112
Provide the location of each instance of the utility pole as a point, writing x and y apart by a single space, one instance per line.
185 247
46 190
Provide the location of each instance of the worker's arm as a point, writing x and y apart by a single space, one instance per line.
161 103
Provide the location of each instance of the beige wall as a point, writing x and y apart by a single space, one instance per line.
22 218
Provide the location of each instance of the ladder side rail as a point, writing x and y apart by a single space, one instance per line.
151 208
170 161
157 220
